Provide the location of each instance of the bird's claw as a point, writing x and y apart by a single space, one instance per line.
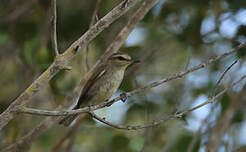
89 106
125 4
178 114
123 97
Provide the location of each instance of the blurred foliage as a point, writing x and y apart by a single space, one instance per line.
186 33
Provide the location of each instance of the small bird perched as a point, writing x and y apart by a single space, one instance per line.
103 85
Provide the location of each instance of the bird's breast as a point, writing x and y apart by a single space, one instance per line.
106 86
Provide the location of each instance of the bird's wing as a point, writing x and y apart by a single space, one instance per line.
99 73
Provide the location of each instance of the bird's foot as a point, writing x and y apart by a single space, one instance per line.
125 4
123 97
89 106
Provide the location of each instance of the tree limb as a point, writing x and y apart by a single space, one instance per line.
49 122
62 60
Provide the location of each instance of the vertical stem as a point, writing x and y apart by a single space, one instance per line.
53 27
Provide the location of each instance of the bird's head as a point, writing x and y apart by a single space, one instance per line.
121 60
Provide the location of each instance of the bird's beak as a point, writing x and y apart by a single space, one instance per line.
135 61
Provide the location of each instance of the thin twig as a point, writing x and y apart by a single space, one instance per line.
103 120
223 75
53 27
93 19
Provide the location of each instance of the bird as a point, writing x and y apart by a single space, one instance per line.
103 85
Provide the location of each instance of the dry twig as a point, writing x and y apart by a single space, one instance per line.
223 75
53 27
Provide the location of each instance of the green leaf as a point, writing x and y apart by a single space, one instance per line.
237 117
120 142
225 101
43 58
3 38
183 142
30 50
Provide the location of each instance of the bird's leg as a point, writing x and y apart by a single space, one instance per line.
123 97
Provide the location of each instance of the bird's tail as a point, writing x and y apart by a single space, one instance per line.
68 120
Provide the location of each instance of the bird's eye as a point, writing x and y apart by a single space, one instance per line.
121 58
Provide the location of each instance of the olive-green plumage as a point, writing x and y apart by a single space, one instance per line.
104 85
